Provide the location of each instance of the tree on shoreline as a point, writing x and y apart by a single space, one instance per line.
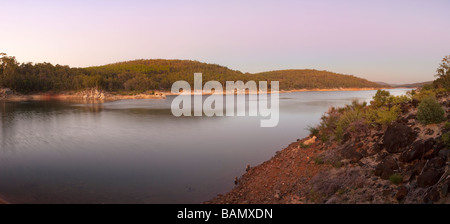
443 73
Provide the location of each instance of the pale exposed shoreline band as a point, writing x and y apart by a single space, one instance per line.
158 95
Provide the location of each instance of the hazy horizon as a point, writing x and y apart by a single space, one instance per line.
396 42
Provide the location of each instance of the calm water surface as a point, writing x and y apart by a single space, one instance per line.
136 151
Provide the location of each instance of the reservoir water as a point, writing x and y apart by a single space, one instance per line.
136 151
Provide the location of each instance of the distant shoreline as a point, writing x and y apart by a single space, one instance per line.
96 95
78 97
284 91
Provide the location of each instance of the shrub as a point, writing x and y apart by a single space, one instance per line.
388 116
447 125
396 178
425 93
330 119
339 133
349 116
318 160
446 139
313 131
303 146
341 191
411 93
399 99
430 111
324 137
337 164
381 98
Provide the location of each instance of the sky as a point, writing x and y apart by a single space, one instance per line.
392 41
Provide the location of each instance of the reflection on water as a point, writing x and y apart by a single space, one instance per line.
136 151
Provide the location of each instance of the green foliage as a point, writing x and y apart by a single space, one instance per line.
447 125
318 160
411 93
313 131
400 99
339 133
349 115
381 98
330 119
311 79
382 115
430 111
324 137
427 87
425 93
303 146
396 178
443 74
383 110
341 191
337 164
446 139
143 75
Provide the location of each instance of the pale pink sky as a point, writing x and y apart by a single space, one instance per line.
391 41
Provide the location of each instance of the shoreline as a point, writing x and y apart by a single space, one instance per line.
77 97
333 89
281 91
95 95
365 168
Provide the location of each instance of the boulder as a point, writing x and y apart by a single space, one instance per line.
436 163
402 192
445 153
377 147
417 150
432 196
417 168
386 168
429 177
310 141
397 137
349 152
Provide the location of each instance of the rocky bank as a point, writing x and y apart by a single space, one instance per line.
86 95
404 162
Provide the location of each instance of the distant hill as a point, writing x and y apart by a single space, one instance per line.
164 72
383 83
413 85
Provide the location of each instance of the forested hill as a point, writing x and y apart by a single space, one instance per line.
314 79
157 74
160 73
164 72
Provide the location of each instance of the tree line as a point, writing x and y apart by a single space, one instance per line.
157 74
